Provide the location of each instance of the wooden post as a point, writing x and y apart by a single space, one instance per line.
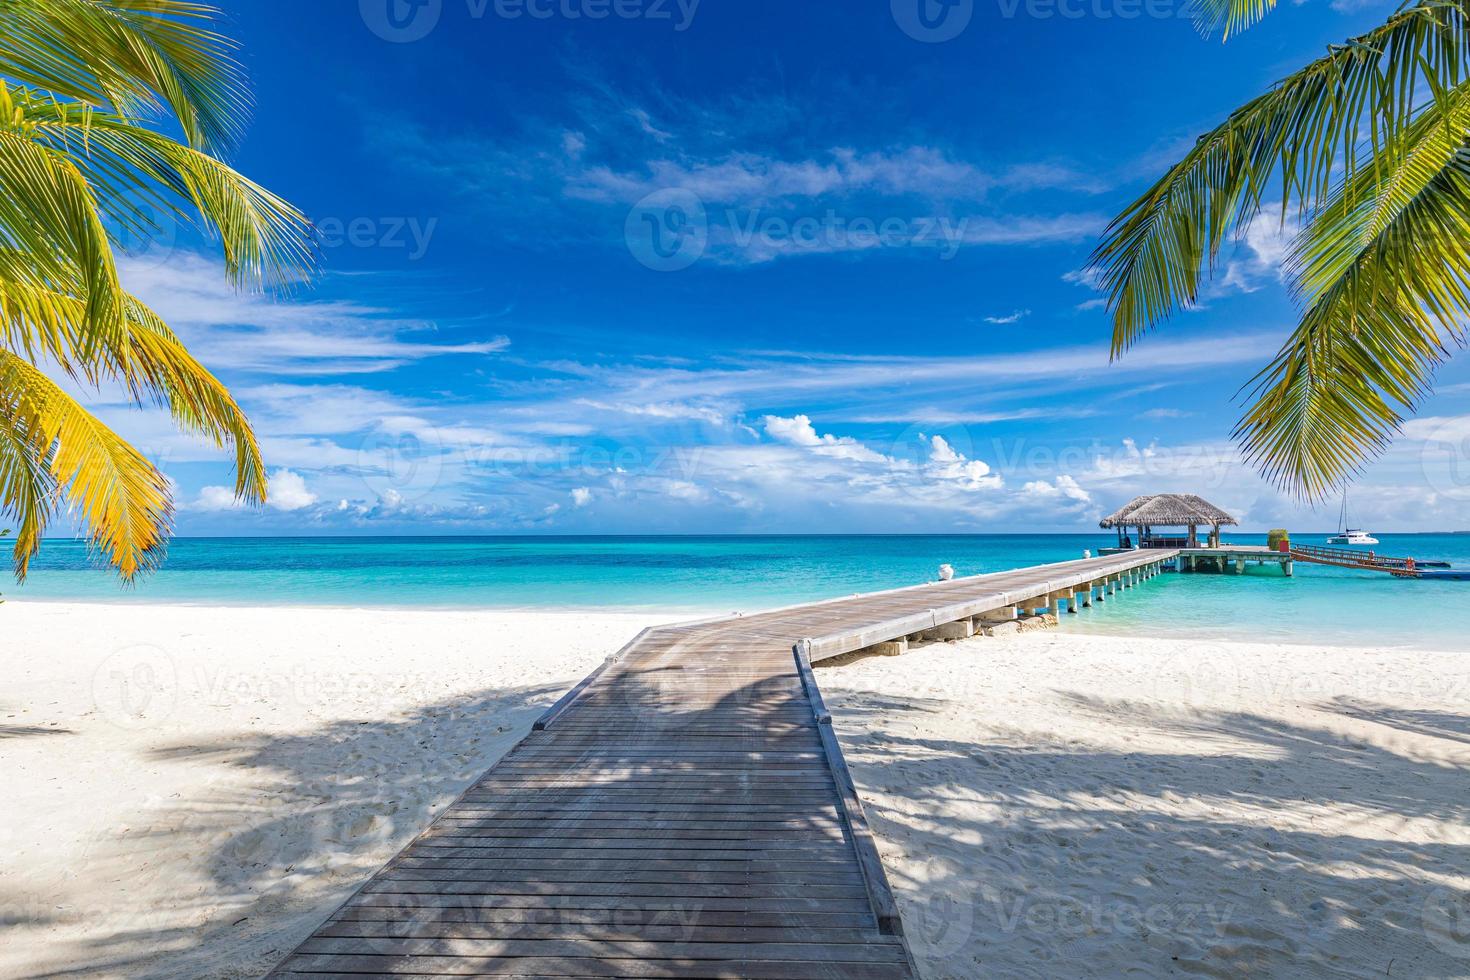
958 630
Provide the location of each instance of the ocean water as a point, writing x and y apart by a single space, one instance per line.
686 576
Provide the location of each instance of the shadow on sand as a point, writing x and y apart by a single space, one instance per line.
1020 860
325 810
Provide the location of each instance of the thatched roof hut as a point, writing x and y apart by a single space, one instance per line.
1167 510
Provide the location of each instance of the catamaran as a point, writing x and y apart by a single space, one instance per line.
1349 535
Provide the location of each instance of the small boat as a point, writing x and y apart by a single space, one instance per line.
1436 574
1352 536
1349 535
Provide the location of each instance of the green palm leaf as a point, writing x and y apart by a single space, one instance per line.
1368 145
79 79
122 499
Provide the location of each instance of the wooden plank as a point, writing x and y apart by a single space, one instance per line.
477 948
350 965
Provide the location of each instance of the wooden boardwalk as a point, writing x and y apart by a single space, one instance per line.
685 811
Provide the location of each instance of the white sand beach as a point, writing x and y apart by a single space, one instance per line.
191 790
1053 805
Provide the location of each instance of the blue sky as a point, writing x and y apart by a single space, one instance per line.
651 266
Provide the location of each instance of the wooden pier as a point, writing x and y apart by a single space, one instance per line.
684 811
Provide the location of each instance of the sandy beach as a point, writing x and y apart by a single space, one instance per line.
1054 805
191 789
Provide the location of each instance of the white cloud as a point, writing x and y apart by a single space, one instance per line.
216 498
798 431
1063 487
1015 316
1260 255
581 496
288 491
228 329
947 464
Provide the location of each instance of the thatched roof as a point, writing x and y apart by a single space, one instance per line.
1168 510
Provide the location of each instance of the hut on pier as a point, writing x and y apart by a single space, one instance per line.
1139 521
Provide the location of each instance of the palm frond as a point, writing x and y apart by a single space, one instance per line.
197 400
1227 17
133 56
1385 267
1349 108
123 499
151 361
27 489
49 214
141 175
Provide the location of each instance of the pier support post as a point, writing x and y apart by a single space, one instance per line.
1102 590
1081 599
1240 566
1289 567
1056 599
960 629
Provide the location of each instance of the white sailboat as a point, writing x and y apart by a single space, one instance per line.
1349 535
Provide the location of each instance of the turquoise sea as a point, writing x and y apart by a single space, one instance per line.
718 574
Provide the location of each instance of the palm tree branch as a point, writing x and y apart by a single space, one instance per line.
134 56
49 213
1365 352
1295 140
152 362
27 488
123 499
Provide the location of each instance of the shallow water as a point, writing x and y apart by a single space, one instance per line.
726 573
